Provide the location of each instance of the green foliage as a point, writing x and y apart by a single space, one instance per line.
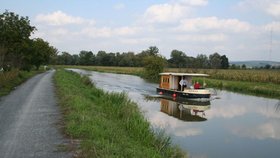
41 52
17 50
224 62
108 124
215 61
153 66
14 38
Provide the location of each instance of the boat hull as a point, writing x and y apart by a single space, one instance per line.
187 94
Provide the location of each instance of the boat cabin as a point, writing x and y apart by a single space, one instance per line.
181 84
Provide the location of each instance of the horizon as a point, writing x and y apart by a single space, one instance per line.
241 29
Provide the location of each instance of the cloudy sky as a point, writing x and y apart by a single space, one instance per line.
240 29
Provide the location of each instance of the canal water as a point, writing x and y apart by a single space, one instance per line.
236 125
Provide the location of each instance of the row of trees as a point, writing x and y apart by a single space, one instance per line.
17 49
178 59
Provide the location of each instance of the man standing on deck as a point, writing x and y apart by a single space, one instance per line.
183 83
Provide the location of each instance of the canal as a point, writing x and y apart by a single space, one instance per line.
236 125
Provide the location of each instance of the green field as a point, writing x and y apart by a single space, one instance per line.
255 82
107 124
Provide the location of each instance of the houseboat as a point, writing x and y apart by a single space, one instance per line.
181 86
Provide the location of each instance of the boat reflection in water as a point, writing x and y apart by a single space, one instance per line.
187 110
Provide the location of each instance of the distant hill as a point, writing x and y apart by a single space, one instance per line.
256 63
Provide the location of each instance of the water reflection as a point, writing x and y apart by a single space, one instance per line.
190 111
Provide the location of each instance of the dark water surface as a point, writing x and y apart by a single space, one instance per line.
236 125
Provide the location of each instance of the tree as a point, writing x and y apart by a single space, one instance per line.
224 62
177 59
267 66
14 38
201 61
86 58
64 59
40 53
215 61
153 66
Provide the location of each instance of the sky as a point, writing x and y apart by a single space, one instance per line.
240 29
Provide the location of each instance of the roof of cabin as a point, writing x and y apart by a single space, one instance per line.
184 74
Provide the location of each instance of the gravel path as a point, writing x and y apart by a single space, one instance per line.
28 121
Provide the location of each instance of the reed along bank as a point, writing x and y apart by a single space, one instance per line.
107 124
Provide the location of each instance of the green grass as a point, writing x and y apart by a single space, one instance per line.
13 78
108 124
268 90
255 82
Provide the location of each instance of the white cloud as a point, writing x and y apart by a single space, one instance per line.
94 32
108 32
213 23
202 37
165 13
274 9
274 26
270 130
270 7
59 18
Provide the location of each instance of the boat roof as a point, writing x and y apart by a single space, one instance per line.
184 74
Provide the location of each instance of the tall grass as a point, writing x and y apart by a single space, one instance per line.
108 124
265 76
10 79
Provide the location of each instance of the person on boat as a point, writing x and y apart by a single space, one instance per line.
183 83
196 85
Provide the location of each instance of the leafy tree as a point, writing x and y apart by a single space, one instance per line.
14 38
153 66
64 59
224 62
178 59
267 66
201 61
86 58
40 52
243 66
215 61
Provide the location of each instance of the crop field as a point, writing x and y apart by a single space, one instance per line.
266 76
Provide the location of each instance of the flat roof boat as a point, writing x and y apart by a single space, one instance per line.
180 85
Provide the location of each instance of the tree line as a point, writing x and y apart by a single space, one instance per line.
17 49
178 59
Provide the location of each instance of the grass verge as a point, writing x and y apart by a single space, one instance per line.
13 78
107 124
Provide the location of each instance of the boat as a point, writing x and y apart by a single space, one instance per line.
180 85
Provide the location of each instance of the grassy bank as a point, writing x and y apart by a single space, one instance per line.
138 71
255 82
253 88
13 78
108 124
